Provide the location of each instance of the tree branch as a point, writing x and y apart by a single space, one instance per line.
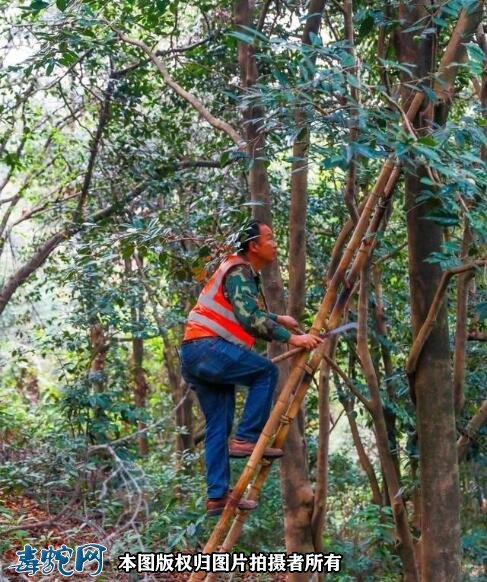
215 122
263 14
429 322
477 336
355 391
43 252
455 52
471 430
103 119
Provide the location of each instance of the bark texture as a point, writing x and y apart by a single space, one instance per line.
296 486
141 388
431 382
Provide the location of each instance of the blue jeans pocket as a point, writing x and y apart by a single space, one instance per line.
208 359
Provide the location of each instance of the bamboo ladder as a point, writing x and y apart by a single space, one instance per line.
361 244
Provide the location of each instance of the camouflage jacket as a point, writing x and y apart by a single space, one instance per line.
242 290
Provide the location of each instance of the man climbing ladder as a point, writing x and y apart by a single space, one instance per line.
216 354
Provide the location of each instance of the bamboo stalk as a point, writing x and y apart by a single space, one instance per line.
300 376
287 418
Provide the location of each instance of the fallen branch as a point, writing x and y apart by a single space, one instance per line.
47 522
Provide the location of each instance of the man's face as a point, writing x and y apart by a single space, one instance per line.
264 247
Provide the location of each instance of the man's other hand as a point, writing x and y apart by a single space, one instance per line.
306 341
288 322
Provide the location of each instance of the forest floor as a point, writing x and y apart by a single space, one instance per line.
14 510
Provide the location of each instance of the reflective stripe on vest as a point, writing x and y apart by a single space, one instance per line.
215 312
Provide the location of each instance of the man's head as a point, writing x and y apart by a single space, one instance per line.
258 244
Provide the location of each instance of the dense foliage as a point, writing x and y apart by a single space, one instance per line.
144 196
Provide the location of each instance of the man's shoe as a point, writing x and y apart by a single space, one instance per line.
244 449
216 506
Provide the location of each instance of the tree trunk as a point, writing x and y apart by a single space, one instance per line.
381 330
141 390
463 286
141 386
97 376
184 413
295 483
365 463
433 390
431 384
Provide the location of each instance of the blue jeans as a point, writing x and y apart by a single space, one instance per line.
212 366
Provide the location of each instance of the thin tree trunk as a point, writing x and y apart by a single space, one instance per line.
99 348
141 386
295 483
463 286
365 463
184 413
381 330
350 194
321 487
405 546
141 390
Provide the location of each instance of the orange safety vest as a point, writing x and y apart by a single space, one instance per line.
213 313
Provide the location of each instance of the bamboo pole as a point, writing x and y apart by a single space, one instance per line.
294 390
383 189
286 419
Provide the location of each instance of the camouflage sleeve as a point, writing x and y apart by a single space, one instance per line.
242 292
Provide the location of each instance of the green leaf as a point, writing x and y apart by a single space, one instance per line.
428 91
428 140
366 26
255 33
476 58
443 217
50 66
243 37
39 5
127 250
62 4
